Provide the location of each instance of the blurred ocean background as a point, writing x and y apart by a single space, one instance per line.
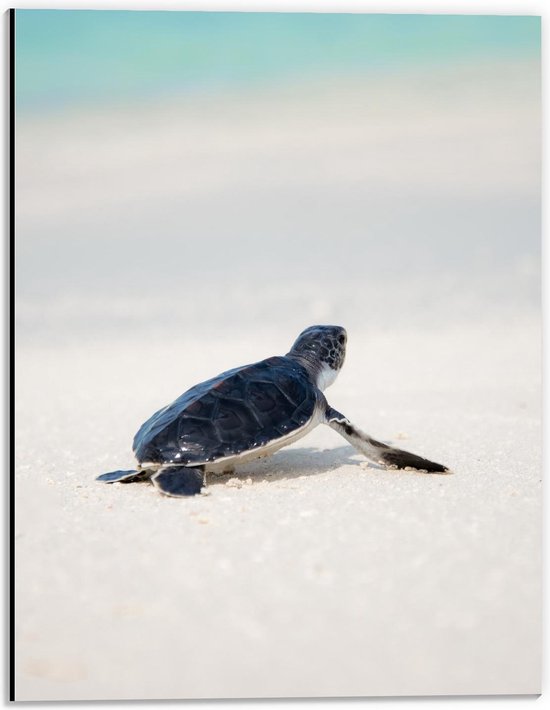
182 172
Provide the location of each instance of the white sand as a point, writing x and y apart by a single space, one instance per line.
149 260
318 576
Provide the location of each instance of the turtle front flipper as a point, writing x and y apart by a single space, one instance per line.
377 451
179 481
124 476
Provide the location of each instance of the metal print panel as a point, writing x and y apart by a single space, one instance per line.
194 190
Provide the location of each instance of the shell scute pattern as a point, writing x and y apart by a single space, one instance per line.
240 410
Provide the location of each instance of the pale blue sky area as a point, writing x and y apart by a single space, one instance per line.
65 57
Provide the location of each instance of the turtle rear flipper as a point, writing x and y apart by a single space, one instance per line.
179 481
124 476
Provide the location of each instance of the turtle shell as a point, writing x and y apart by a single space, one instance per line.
238 411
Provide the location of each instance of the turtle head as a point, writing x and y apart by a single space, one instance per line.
321 349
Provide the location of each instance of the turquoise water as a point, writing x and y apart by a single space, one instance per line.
66 57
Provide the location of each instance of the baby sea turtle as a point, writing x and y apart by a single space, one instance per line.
250 412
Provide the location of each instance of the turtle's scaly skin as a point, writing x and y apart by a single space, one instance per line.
240 410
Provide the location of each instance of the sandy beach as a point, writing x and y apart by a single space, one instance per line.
306 574
154 252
